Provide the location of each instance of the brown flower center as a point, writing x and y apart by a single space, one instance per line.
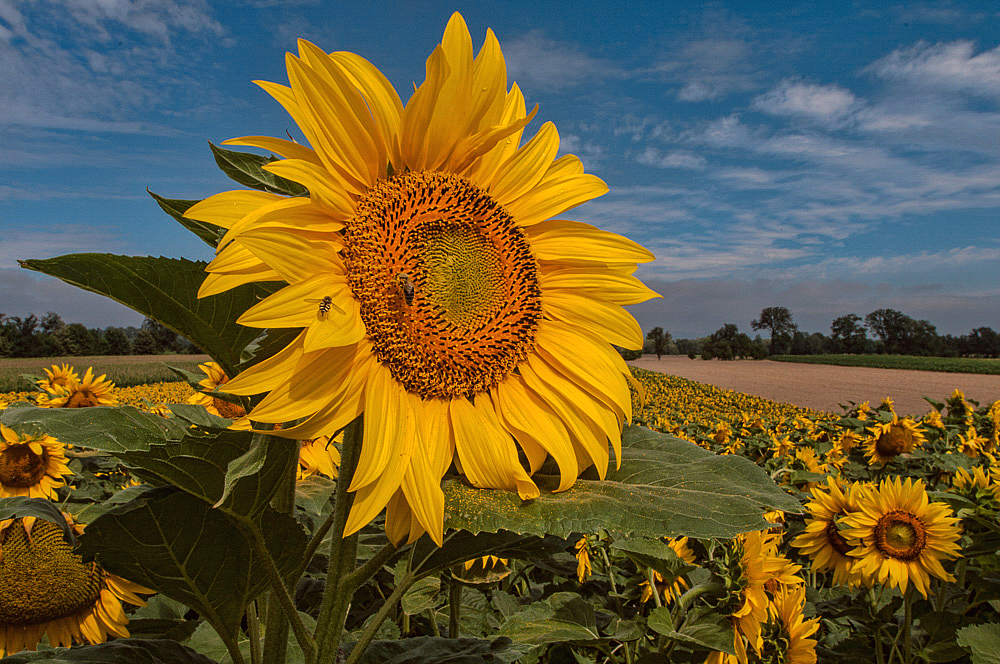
896 440
40 577
22 468
447 283
835 539
82 398
228 410
900 535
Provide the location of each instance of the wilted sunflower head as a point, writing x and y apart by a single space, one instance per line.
91 391
434 289
786 632
901 537
47 589
890 439
59 376
215 377
31 465
318 456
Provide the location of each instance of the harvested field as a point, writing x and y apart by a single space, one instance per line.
825 387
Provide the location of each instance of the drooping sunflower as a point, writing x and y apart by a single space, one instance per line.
215 377
583 566
436 292
47 589
671 589
970 443
821 540
755 569
318 456
890 439
59 376
31 465
786 633
91 391
901 536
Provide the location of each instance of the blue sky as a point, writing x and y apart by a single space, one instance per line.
832 158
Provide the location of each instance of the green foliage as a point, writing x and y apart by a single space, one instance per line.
974 365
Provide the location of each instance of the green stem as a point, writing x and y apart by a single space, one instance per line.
387 606
275 620
611 575
275 632
253 630
284 599
343 550
907 623
361 575
454 608
435 630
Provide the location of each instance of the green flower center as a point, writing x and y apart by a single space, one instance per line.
900 535
40 577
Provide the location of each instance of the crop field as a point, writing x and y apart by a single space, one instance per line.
123 370
973 365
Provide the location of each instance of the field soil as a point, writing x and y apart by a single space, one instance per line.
825 387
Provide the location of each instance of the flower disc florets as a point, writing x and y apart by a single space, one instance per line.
447 284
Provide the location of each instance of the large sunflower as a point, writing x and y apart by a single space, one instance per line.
436 293
890 439
31 465
47 589
215 377
821 540
902 536
91 391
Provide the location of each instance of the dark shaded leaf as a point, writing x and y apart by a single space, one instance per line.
559 618
166 290
119 651
210 234
247 169
703 627
15 508
435 650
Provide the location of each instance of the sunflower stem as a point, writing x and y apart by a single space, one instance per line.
907 623
253 631
362 574
276 620
454 608
387 606
343 551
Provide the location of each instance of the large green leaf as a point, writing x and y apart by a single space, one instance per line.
119 651
247 169
166 290
177 544
983 641
703 627
560 618
20 506
434 650
210 234
102 428
665 487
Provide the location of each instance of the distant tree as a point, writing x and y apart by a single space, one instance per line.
165 339
984 341
728 342
78 340
20 335
922 339
52 322
848 335
892 327
116 342
779 321
660 341
145 343
689 347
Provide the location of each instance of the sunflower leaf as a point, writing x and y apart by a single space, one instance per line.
558 618
665 487
177 544
210 234
119 651
247 169
101 428
703 627
166 290
983 641
41 508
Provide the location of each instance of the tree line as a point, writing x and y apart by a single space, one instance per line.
893 333
50 336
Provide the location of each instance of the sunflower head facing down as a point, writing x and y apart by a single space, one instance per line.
901 536
436 290
45 588
91 391
890 439
31 465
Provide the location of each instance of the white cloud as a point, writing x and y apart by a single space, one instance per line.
550 65
651 156
943 66
827 104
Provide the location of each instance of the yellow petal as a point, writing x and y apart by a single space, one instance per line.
482 172
227 208
559 239
562 188
381 97
605 321
385 432
599 282
267 374
486 450
279 146
325 189
221 282
527 166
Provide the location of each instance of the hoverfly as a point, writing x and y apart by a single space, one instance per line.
406 284
325 305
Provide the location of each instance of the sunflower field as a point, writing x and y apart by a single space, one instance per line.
416 442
